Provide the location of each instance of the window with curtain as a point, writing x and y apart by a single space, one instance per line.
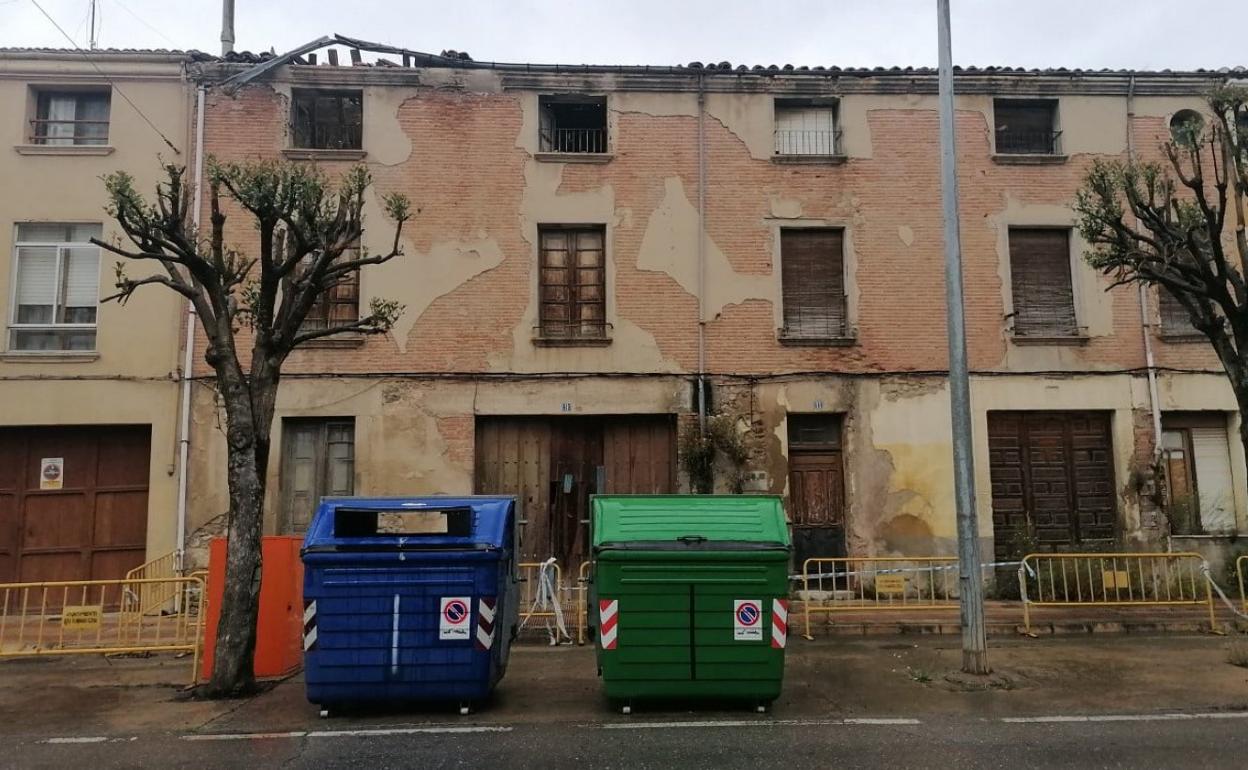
1040 277
56 291
71 117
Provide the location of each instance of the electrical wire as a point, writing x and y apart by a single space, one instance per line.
145 22
109 80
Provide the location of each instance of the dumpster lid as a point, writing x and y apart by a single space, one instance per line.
401 523
689 521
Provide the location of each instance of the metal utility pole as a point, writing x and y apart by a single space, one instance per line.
92 41
970 579
227 27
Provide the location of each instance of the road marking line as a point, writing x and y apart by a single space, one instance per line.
747 723
1126 718
85 739
461 729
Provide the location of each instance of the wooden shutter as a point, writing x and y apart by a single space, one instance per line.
1044 302
1212 456
318 459
813 283
572 284
1174 317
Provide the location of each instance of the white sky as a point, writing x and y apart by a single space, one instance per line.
1141 34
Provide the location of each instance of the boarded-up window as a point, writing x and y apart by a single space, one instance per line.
1197 461
1026 126
813 282
1044 302
339 304
318 460
328 120
1174 317
572 285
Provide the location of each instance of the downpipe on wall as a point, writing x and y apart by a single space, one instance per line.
702 253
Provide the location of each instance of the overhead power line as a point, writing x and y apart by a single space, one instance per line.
110 81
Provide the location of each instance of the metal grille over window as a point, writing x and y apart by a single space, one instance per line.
328 120
1044 304
572 284
805 128
813 278
1026 126
573 124
56 291
71 118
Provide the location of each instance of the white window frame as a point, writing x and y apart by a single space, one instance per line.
61 248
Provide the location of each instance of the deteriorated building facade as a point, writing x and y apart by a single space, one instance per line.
590 240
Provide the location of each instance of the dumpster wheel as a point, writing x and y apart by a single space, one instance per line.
465 709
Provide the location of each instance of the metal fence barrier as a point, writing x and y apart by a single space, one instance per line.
530 586
1241 566
105 617
885 583
156 597
582 601
1113 580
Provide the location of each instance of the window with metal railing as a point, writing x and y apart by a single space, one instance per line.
67 118
806 127
1026 127
573 124
327 120
56 287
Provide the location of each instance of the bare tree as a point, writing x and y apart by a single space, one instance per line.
252 308
1166 225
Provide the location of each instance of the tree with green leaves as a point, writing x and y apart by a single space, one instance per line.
1179 226
252 307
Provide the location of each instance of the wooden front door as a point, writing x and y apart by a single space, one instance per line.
816 486
554 464
87 522
1052 480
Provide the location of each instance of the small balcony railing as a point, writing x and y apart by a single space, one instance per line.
69 132
813 142
584 140
1027 142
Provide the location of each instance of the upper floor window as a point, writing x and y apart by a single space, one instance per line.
339 304
807 127
572 285
1040 277
573 124
328 120
57 287
812 276
1175 320
1026 126
70 117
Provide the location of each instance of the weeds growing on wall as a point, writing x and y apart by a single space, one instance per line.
700 452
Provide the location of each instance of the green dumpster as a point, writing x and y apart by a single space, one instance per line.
690 596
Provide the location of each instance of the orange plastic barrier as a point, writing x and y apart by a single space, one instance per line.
279 628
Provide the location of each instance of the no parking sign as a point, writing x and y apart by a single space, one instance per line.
747 620
453 618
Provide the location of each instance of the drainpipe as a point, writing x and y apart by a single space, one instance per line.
188 347
1154 400
701 253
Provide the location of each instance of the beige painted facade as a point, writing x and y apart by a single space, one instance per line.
130 377
463 143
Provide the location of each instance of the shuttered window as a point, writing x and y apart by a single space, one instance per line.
318 460
1044 302
340 304
1175 320
1197 462
572 285
805 128
812 263
57 287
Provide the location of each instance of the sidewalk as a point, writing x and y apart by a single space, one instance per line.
832 677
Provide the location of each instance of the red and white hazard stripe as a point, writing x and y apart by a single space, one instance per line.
486 610
779 623
608 622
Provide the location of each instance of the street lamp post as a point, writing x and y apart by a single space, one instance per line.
970 578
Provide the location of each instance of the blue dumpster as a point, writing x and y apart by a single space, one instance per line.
408 599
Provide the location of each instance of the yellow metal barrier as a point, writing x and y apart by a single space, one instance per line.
156 597
1113 580
582 601
529 572
84 617
870 583
1241 565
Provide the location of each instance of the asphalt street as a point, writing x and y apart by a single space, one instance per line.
1153 740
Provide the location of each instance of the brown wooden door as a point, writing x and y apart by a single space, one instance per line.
318 460
1052 480
816 486
554 464
94 527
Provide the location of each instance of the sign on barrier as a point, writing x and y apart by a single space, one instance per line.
877 583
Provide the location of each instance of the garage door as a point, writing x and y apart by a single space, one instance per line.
73 502
1052 480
